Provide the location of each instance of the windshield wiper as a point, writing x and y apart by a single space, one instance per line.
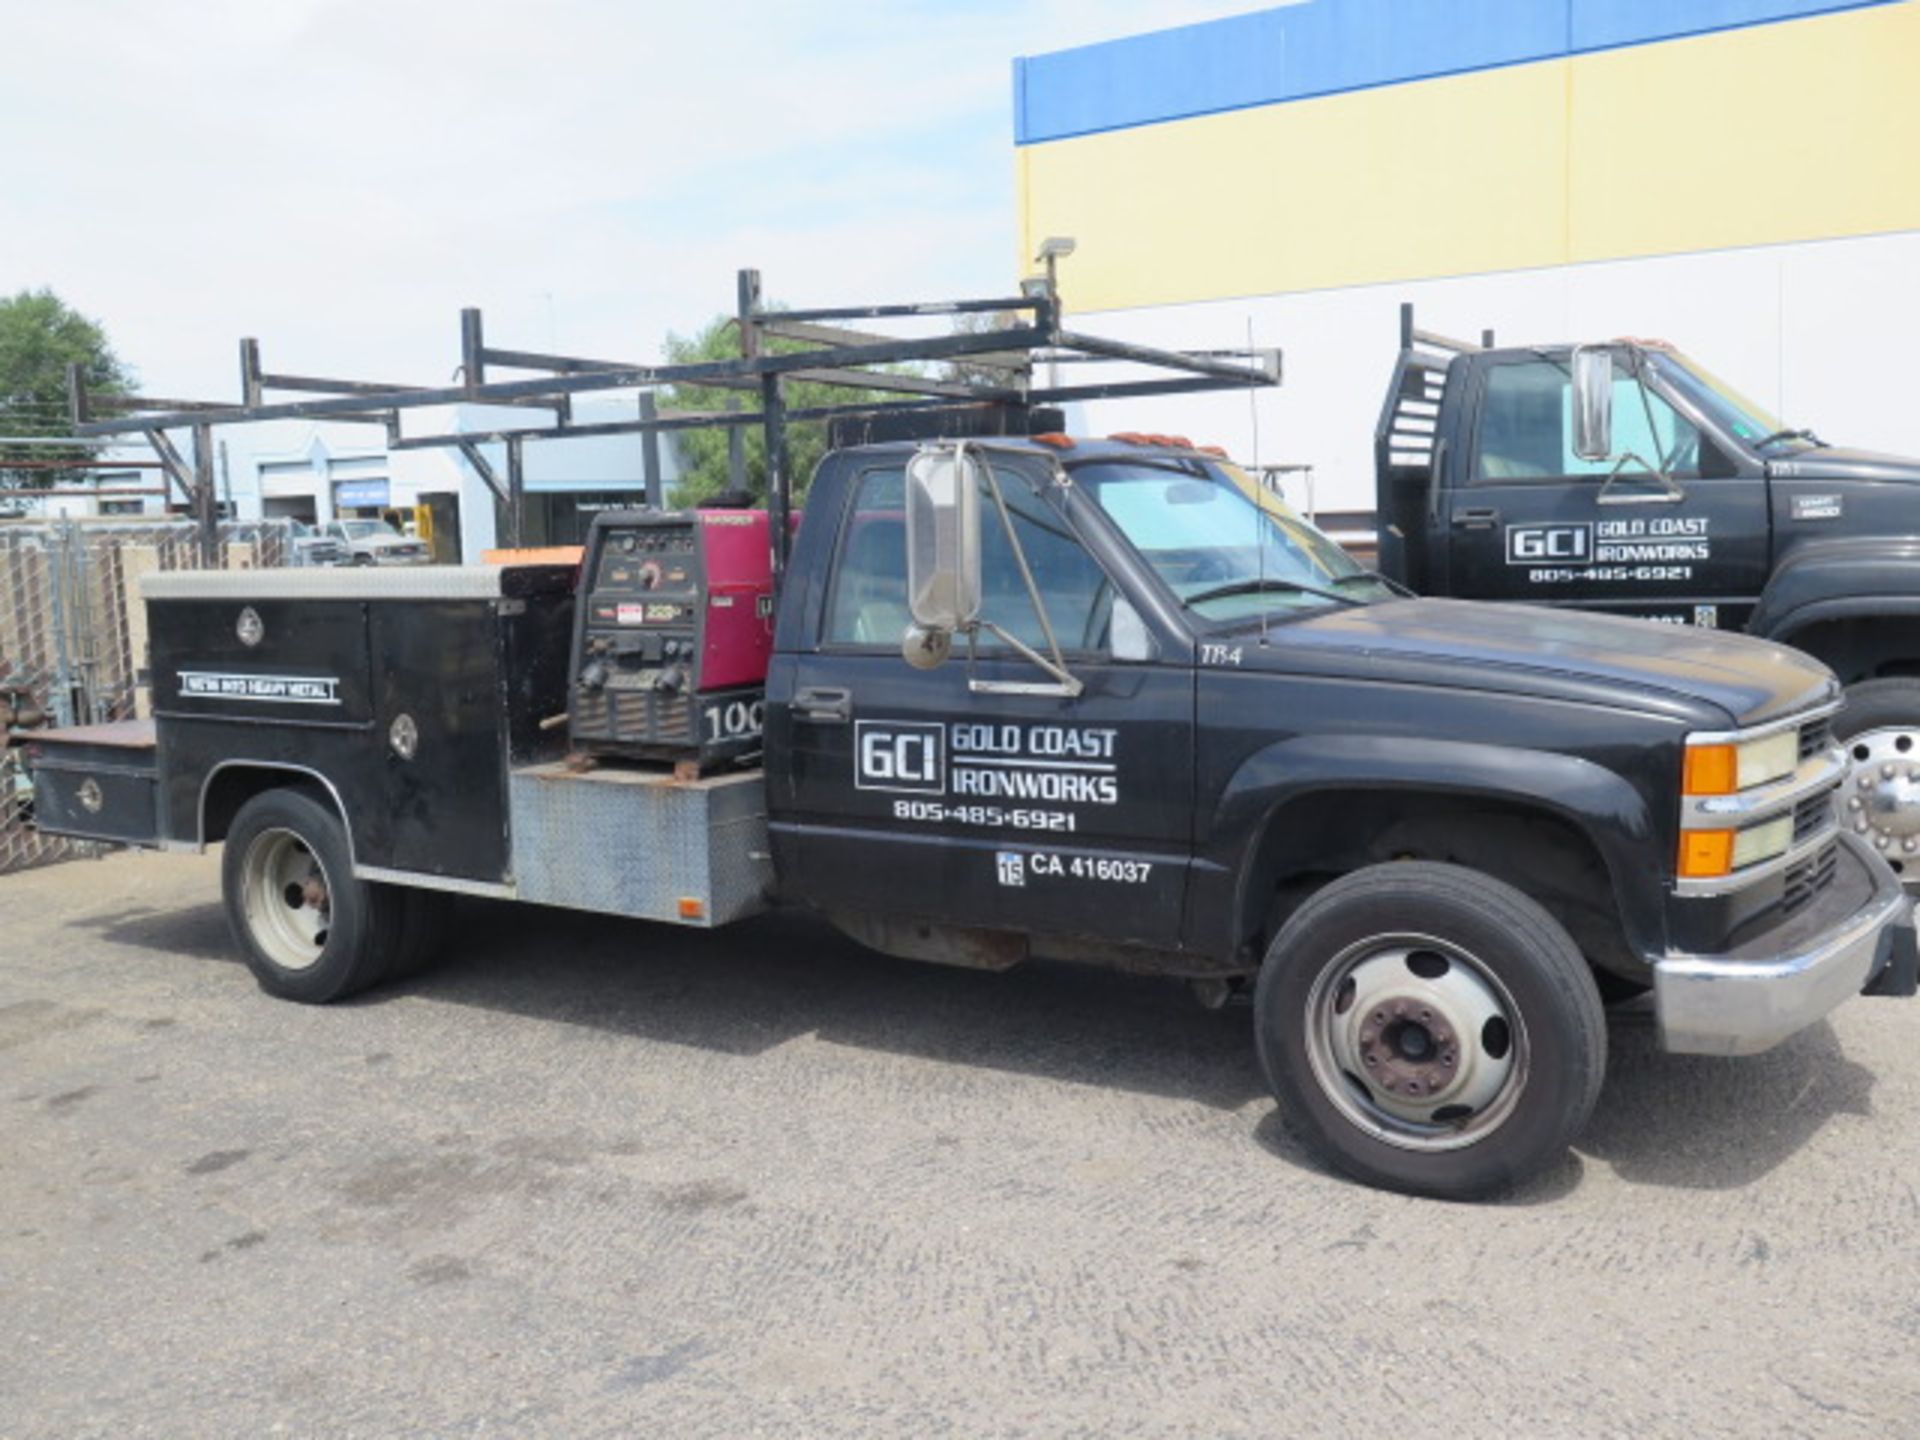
1806 435
1377 578
1255 586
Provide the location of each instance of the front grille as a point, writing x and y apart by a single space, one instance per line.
1816 736
1809 878
1811 815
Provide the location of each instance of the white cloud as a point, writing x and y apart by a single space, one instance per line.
338 177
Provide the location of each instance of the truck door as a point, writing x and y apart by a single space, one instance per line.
912 793
1529 520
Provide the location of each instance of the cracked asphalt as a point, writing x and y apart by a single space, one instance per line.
600 1179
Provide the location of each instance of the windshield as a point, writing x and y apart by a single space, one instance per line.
1736 414
1225 547
368 529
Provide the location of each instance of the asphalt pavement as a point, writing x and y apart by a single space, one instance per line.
594 1178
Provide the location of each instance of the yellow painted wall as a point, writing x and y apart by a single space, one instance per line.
1791 131
1774 133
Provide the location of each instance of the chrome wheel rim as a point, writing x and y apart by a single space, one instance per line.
288 901
1882 796
1416 1042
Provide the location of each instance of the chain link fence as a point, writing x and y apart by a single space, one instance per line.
71 642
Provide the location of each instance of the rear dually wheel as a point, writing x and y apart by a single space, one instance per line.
308 929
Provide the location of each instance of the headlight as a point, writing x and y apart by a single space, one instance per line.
1726 769
1709 854
1741 795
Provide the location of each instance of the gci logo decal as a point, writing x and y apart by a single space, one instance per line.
1550 544
900 755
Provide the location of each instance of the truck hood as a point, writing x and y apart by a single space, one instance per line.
1837 462
1701 677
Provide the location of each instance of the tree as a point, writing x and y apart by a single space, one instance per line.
39 337
703 452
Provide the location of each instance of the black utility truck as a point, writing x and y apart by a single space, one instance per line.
1031 696
1624 477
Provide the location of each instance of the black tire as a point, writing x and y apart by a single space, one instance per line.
1468 946
314 945
1617 989
1880 725
425 915
1879 704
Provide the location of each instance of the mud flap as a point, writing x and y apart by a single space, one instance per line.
1897 968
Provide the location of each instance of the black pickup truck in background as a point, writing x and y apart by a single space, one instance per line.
1624 477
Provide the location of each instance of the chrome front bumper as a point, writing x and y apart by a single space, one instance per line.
1741 1004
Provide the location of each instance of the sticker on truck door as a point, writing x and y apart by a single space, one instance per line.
991 775
1013 868
1644 550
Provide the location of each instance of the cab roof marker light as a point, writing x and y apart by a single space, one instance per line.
1054 438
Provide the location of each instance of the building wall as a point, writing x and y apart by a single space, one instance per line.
303 468
1738 176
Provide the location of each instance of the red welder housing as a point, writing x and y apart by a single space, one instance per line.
672 634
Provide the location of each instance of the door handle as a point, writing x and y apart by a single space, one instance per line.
823 704
1476 517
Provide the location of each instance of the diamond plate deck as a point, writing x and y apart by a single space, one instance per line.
637 842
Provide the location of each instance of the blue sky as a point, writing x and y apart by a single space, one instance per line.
338 177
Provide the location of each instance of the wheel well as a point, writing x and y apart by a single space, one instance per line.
1318 838
232 786
1861 647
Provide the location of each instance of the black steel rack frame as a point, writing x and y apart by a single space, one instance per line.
1406 441
1023 338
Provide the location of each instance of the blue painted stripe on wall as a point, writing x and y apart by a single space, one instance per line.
1323 47
1608 24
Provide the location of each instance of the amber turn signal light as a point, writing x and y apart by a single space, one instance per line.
1705 854
1711 770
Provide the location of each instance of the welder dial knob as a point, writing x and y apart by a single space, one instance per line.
650 575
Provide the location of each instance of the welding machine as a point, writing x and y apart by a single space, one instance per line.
671 636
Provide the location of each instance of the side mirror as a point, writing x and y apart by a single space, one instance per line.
1593 402
925 648
943 538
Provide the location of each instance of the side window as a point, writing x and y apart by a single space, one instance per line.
1526 428
869 601
868 605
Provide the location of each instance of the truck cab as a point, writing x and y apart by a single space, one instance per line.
1689 505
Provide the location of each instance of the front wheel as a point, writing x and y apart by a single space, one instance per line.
1430 1029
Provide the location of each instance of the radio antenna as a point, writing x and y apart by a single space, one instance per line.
1259 488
